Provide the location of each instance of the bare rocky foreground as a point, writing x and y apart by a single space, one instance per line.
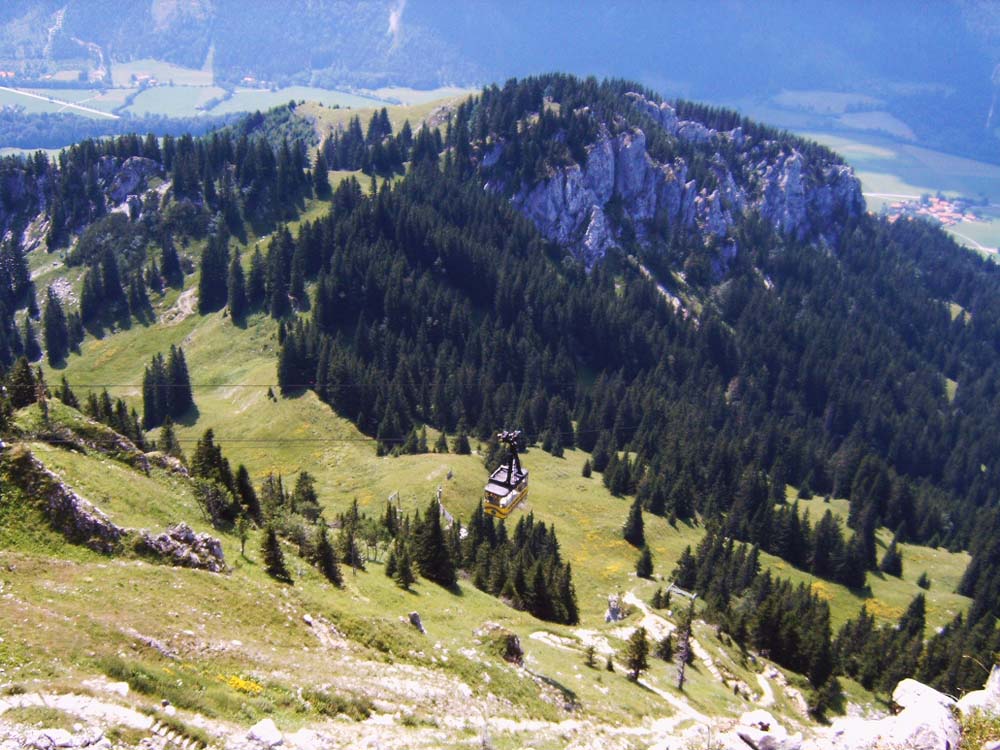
107 716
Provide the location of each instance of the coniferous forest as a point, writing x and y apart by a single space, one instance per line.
431 301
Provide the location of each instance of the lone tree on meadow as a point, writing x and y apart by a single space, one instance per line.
633 530
644 565
637 654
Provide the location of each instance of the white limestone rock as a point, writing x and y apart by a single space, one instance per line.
265 733
986 700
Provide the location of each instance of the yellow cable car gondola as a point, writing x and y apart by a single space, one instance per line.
508 484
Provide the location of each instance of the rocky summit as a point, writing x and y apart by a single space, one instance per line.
800 197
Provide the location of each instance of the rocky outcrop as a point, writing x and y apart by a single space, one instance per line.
81 522
132 177
802 200
265 733
986 700
75 517
22 196
181 546
95 437
501 641
926 721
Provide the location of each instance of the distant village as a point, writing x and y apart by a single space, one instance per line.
947 211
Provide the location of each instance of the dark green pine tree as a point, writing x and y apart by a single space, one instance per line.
441 444
587 470
168 442
181 396
326 558
403 575
30 345
156 393
321 177
637 654
686 572
567 596
390 563
66 395
460 445
257 281
111 285
170 263
21 384
274 558
644 565
54 329
247 495
209 463
431 548
892 560
237 290
305 501
633 530
212 292
91 296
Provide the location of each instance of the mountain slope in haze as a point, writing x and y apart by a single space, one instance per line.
938 83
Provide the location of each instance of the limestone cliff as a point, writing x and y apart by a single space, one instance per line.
801 198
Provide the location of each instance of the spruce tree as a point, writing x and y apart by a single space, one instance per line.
441 444
390 563
431 550
321 178
460 446
637 653
305 501
168 440
21 384
181 396
587 470
256 283
212 281
237 290
644 565
892 561
170 263
274 558
247 495
326 559
66 395
665 648
403 574
633 530
54 329
30 346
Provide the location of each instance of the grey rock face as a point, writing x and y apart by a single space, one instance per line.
131 177
75 517
802 201
181 546
986 700
83 523
926 722
416 622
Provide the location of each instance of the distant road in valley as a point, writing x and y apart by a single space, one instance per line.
61 102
